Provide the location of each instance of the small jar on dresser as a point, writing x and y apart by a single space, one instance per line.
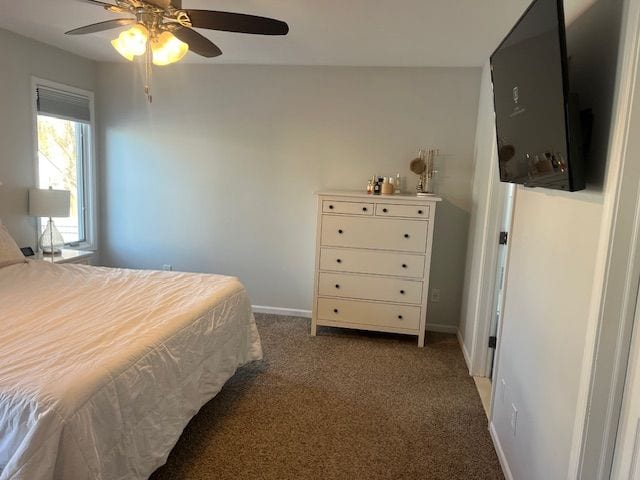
373 255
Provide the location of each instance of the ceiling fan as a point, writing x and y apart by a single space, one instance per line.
164 32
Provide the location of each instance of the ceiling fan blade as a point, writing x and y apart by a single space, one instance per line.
237 22
197 43
106 6
99 27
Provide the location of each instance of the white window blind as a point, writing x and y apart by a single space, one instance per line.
64 105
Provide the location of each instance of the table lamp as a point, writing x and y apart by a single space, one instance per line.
50 203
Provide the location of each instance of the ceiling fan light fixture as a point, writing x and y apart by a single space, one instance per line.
167 49
132 42
163 32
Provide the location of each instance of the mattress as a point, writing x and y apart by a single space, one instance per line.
101 369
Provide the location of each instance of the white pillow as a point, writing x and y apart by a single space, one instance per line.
10 254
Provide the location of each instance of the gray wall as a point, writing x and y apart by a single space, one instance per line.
21 58
218 174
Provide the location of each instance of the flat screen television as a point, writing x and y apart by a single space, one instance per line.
538 122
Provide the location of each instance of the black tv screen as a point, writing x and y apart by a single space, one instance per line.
537 120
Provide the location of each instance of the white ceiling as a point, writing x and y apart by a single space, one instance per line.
322 32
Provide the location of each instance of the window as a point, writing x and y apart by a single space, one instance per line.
65 156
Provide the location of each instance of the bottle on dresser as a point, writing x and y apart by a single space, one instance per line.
377 186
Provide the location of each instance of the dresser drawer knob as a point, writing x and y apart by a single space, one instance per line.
404 265
335 310
406 235
420 212
330 207
364 209
399 317
401 292
384 210
337 286
339 261
340 231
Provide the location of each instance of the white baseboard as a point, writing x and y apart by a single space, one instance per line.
465 354
441 328
501 456
287 312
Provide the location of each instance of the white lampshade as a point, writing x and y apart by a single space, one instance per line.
49 203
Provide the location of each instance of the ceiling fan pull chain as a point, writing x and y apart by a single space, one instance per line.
148 73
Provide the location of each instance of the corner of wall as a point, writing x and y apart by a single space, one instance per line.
465 353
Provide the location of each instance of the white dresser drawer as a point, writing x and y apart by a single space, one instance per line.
375 233
351 208
354 313
372 262
405 211
367 287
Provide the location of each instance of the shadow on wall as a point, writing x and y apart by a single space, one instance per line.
14 214
448 262
593 62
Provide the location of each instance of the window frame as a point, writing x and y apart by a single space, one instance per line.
88 168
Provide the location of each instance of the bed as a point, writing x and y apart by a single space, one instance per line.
101 369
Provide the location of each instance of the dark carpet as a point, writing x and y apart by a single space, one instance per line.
343 405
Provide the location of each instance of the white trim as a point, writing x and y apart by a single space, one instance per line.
463 347
615 281
505 287
34 144
501 456
498 352
481 298
287 312
634 471
488 262
441 328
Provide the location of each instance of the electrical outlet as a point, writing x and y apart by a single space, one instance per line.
167 267
514 419
435 295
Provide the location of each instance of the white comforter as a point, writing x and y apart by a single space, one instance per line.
101 369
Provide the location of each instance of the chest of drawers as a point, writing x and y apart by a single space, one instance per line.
373 255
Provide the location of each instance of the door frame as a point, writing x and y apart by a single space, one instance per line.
628 455
616 277
493 212
498 299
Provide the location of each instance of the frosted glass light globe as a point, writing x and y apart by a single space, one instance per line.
132 42
167 49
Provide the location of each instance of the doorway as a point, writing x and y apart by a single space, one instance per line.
494 294
500 282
